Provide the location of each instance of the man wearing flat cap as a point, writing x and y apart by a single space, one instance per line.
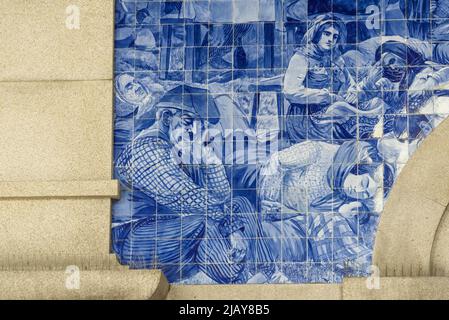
190 202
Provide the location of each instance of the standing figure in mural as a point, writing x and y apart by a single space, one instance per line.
315 80
188 203
320 192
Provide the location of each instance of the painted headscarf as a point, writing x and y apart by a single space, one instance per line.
351 156
125 106
309 41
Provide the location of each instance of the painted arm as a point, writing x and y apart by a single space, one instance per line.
217 182
441 77
425 84
430 79
294 87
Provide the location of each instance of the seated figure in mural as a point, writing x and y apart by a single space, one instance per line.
315 79
188 202
394 70
316 193
401 81
323 106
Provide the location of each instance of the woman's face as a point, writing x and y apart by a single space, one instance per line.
329 38
134 92
360 186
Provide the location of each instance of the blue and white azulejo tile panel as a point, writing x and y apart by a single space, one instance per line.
257 140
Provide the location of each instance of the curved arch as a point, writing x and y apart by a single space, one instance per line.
439 257
414 210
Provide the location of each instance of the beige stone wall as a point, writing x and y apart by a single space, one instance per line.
55 130
439 257
256 292
389 288
397 288
37 45
94 284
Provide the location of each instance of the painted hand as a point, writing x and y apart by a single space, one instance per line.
350 209
203 151
276 209
351 97
209 157
339 113
239 246
419 95
373 76
384 84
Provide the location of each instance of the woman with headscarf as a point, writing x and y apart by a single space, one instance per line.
315 79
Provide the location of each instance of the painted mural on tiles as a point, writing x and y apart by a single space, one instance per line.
256 141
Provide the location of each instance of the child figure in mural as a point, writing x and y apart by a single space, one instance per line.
130 95
190 224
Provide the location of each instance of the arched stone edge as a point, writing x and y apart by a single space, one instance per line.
414 210
439 257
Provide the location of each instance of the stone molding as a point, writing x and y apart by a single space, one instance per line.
56 163
85 285
60 189
46 167
390 288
